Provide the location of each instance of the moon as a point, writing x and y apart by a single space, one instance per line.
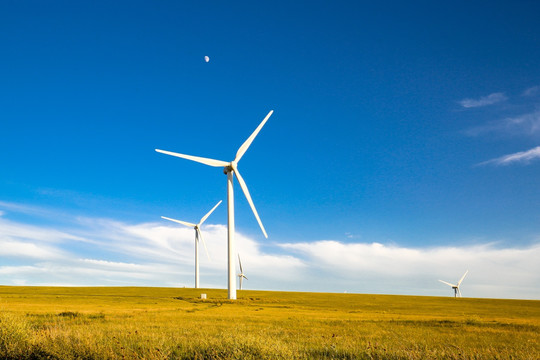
206 58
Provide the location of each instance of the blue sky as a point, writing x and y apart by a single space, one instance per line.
405 137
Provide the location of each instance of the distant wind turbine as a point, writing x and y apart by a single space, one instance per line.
198 235
230 168
456 286
241 275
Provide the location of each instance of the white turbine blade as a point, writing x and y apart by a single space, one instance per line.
248 197
242 150
200 237
202 160
240 263
211 211
463 277
245 277
459 292
180 221
447 283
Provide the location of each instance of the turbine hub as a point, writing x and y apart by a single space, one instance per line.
227 169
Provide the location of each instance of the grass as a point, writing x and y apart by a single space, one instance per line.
165 323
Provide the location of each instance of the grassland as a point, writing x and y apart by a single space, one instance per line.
165 323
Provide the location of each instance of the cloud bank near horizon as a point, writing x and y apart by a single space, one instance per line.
493 271
106 252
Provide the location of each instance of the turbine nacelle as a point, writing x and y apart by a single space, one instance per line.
227 169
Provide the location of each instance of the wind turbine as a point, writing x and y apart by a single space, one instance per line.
456 286
198 235
230 168
241 275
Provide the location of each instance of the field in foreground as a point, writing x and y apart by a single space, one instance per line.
165 323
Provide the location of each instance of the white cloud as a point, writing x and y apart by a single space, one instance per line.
30 241
11 230
112 265
483 101
523 157
374 267
85 273
28 249
156 254
115 252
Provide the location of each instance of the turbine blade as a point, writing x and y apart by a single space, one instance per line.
463 277
179 221
207 215
199 159
245 277
240 262
248 197
459 291
200 237
242 150
447 283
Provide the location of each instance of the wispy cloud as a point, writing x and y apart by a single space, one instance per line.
484 100
11 231
522 157
532 91
30 210
525 124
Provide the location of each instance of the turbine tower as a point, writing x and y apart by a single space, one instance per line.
230 169
241 275
198 235
456 286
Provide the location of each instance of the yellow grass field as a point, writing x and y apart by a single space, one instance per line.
166 323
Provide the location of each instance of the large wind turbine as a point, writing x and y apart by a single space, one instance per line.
241 275
198 235
230 168
456 286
